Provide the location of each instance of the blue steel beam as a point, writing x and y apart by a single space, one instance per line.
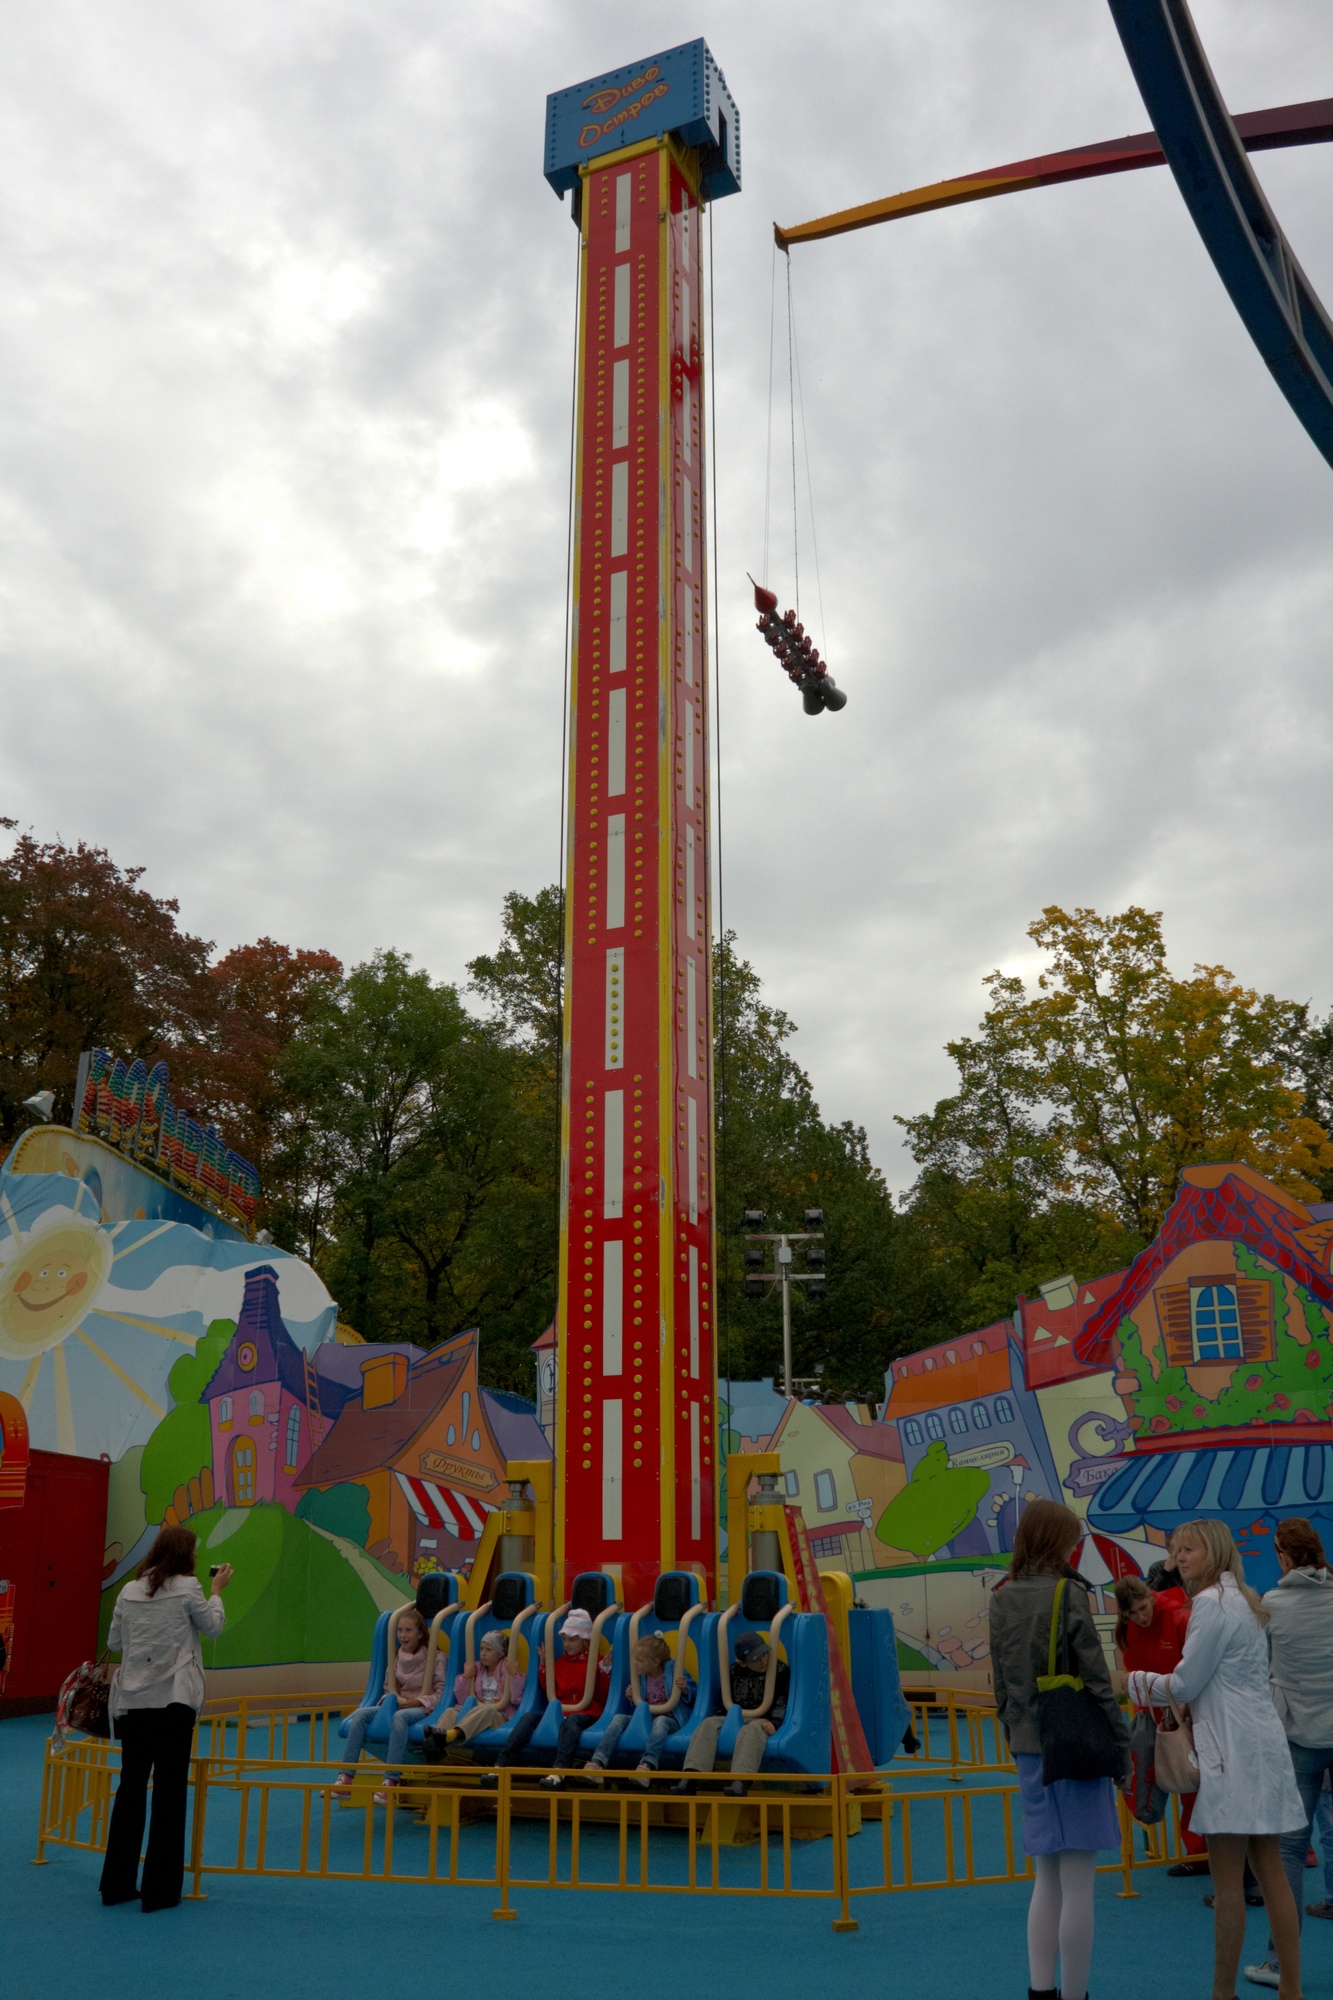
1279 306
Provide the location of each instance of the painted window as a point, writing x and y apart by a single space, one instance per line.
823 1546
911 1431
256 1402
1004 1410
293 1433
451 1435
934 1425
793 1484
224 1410
1215 1323
957 1419
980 1417
826 1492
476 1440
467 1405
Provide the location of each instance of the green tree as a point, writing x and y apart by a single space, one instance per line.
1081 1104
181 1445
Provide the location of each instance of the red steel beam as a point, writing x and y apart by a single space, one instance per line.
1286 125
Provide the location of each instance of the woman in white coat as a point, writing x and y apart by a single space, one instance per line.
1247 1793
156 1693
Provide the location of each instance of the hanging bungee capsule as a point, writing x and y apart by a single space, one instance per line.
796 653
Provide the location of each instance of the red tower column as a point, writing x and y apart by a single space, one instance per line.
637 1390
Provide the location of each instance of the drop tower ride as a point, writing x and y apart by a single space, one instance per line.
641 151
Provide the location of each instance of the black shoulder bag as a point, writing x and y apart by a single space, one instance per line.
1077 1740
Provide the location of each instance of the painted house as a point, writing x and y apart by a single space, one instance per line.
267 1409
964 1406
1087 1428
1221 1337
842 1470
427 1446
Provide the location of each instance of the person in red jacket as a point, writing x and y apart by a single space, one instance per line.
1150 1635
571 1676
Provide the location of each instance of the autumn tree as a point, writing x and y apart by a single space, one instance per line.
88 958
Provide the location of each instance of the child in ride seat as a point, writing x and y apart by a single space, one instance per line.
404 1687
497 1686
749 1672
655 1672
571 1669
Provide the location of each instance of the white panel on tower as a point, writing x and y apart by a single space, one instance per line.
692 1136
686 525
620 406
613 1470
687 634
615 871
613 1156
691 1018
613 1292
696 1494
623 190
687 415
615 747
619 618
620 330
689 882
620 509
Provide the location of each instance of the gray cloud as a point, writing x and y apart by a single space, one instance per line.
286 334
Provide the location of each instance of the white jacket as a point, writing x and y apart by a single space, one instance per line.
1246 1783
1300 1646
161 1659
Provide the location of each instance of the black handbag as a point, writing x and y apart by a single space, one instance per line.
1077 1740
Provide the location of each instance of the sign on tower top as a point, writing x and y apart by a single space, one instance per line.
681 91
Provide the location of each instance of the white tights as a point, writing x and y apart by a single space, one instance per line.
1060 1922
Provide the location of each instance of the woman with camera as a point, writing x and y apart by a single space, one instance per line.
156 1693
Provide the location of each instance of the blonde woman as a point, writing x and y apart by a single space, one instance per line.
1247 1793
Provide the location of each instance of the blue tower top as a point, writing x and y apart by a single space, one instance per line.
681 91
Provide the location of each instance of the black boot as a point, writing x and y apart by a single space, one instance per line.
1043 1993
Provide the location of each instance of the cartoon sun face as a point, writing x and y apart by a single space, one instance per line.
50 1287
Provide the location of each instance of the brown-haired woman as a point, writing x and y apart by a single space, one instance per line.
1065 1823
155 1695
1300 1645
1247 1794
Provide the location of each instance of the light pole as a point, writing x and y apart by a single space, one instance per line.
759 1281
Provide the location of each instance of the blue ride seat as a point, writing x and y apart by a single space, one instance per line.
511 1607
438 1601
594 1591
876 1682
803 1739
677 1612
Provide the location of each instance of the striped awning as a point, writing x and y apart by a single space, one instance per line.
459 1514
1163 1489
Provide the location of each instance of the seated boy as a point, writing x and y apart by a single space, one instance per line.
571 1669
748 1671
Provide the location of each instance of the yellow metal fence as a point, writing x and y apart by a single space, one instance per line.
264 1804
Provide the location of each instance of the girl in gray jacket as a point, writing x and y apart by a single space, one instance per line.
1064 1824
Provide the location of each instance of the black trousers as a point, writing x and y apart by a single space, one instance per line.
154 1742
567 1743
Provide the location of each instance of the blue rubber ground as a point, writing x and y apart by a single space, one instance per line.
331 1941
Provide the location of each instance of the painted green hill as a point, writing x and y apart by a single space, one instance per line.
298 1593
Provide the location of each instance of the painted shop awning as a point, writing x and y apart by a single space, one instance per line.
459 1514
1163 1489
1105 1558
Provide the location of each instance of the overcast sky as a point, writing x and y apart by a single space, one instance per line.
286 345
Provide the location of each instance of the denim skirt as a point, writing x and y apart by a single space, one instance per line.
1075 1813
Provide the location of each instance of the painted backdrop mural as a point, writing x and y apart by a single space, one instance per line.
139 1323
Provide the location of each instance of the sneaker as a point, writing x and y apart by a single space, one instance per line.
552 1781
452 1736
1189 1868
1319 1910
685 1789
593 1774
343 1782
1263 1975
735 1790
384 1795
643 1777
489 1781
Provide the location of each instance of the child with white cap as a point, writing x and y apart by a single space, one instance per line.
571 1673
